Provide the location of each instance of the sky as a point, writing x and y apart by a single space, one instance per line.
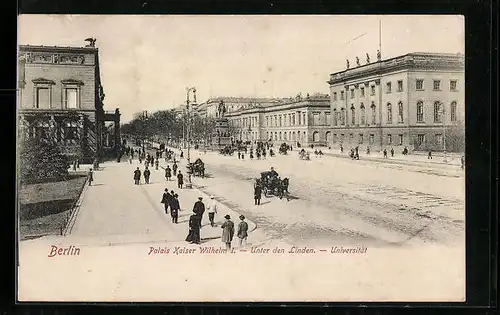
147 62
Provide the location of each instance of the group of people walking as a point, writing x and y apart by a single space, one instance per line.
195 224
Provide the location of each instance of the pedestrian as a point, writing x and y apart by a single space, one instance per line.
367 150
130 159
156 164
166 200
194 230
182 154
90 176
392 152
212 210
74 166
429 156
257 193
78 164
175 208
174 168
385 153
180 180
146 173
341 149
227 232
168 173
242 156
199 208
137 176
152 161
239 155
242 231
462 162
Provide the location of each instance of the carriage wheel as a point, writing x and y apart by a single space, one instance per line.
265 191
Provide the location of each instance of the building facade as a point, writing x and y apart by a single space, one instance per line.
60 96
209 108
304 120
414 101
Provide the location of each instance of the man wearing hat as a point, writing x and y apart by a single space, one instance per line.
166 200
227 232
212 210
175 208
199 208
242 231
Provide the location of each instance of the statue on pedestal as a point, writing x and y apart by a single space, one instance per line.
221 109
367 58
379 56
357 61
347 62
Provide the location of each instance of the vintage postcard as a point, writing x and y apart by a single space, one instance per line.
182 158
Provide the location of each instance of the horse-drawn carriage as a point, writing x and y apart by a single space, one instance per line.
283 149
196 168
304 155
272 184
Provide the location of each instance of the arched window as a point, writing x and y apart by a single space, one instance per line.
342 116
400 112
315 136
438 112
420 111
389 113
280 135
327 137
294 136
453 111
284 136
374 113
353 115
362 114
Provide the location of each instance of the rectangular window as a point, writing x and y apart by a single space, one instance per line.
71 98
400 142
316 119
374 115
420 139
334 138
437 85
293 119
362 92
389 139
304 119
334 96
342 95
352 93
437 113
453 85
42 98
420 112
388 87
351 137
419 86
360 138
372 90
400 86
328 119
372 138
453 110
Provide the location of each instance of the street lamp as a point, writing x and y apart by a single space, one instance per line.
191 89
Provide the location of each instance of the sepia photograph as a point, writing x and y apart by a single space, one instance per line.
241 158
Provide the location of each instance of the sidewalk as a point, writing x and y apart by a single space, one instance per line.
115 211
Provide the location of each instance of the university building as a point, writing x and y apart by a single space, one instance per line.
305 120
209 108
60 96
414 101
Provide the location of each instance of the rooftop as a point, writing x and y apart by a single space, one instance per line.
57 48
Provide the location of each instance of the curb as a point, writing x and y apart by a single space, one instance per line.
75 210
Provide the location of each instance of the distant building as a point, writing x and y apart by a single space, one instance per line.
209 108
60 96
413 101
303 120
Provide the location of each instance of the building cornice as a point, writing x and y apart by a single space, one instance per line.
411 62
37 48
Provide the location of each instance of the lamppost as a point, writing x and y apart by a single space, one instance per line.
188 127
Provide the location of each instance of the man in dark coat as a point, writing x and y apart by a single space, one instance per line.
174 168
168 173
166 200
194 230
175 208
137 176
199 208
147 173
257 192
180 180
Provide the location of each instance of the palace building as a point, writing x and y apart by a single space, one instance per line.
303 120
209 108
60 97
414 101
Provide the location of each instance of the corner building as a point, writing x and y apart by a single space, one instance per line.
60 96
414 101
